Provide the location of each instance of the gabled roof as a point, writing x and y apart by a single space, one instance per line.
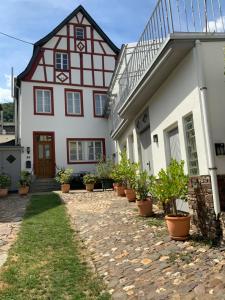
45 39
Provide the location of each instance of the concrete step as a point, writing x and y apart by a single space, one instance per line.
44 185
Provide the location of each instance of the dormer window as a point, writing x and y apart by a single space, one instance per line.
79 33
61 60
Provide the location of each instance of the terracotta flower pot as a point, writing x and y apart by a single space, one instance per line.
130 194
120 191
90 187
65 188
23 190
178 227
114 186
145 207
3 192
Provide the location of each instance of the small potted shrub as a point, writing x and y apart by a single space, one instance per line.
131 174
89 180
119 175
64 177
172 184
5 182
24 183
104 173
144 201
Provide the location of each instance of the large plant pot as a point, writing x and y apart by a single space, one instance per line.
178 227
120 191
3 192
107 184
90 187
130 194
65 188
23 190
145 207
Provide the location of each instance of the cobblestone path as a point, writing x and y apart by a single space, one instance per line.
136 258
12 209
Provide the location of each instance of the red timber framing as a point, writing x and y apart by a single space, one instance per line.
91 45
68 140
81 103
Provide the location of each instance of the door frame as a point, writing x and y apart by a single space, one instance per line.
35 133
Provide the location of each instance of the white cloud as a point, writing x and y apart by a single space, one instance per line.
8 80
217 26
5 95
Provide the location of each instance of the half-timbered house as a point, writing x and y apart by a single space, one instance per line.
61 98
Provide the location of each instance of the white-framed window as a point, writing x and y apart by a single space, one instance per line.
61 61
43 101
85 151
192 155
74 102
99 104
79 32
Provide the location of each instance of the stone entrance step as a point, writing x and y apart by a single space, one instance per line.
44 185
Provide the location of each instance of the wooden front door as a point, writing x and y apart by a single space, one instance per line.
44 154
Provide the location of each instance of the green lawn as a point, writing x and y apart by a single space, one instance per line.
44 262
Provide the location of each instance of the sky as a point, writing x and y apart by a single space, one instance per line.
123 21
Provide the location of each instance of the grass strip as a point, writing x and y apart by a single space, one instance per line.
44 263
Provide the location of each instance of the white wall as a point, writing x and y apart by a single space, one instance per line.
213 61
177 97
63 126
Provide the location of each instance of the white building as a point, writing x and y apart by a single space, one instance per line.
168 101
61 98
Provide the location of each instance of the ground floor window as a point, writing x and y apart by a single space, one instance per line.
85 150
192 155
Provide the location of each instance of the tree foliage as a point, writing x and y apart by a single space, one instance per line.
8 111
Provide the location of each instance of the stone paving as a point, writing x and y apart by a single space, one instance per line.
12 209
135 256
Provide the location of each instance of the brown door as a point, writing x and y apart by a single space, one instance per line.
44 154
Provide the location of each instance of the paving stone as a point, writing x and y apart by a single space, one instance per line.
140 258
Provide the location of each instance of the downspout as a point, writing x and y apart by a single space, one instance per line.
207 131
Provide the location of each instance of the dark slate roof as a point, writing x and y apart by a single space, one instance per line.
45 39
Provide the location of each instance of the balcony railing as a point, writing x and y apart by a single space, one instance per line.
169 16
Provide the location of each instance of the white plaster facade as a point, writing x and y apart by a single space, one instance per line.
177 97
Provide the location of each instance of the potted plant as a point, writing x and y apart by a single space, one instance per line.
104 173
172 184
131 173
24 183
64 177
144 201
89 180
5 182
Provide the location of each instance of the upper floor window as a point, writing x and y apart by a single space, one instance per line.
61 61
74 102
99 103
43 101
79 33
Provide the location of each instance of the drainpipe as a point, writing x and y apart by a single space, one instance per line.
206 127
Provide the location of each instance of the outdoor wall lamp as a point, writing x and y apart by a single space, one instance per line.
28 150
155 138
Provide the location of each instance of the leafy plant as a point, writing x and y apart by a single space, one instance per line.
125 172
141 186
104 169
5 181
64 176
25 179
171 184
89 179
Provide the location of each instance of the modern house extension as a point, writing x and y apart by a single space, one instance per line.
168 100
61 96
